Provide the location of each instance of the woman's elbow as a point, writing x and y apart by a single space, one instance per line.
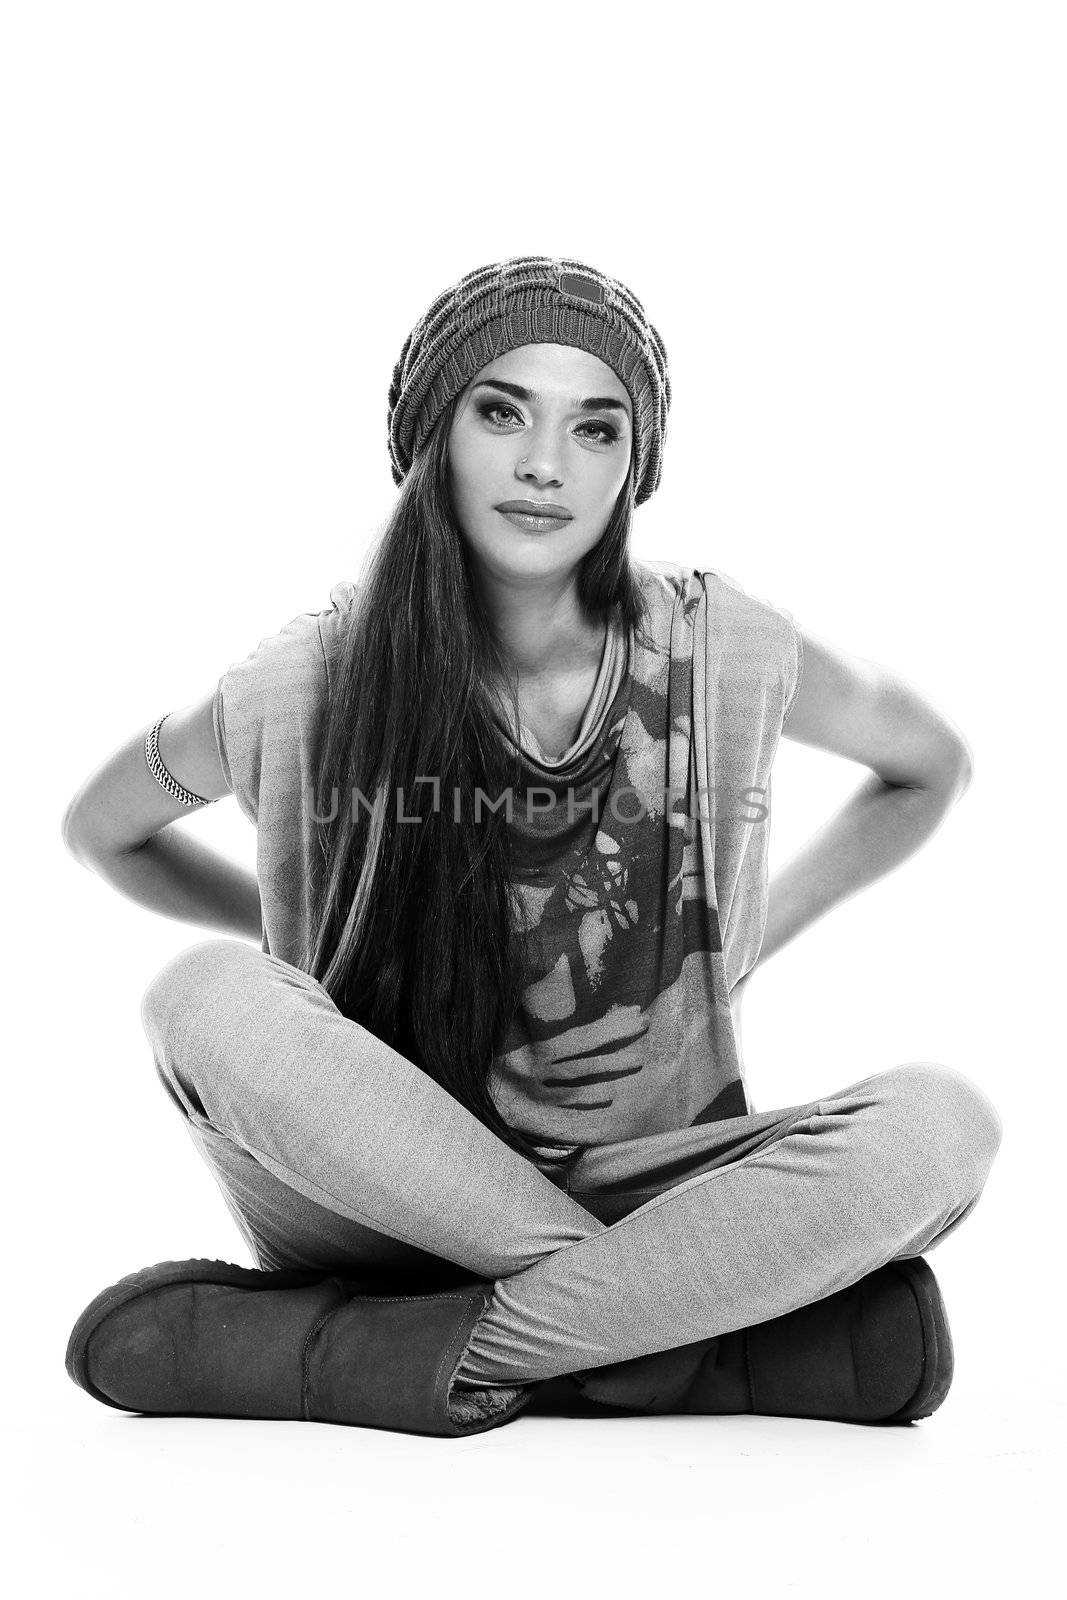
74 833
958 764
950 769
966 773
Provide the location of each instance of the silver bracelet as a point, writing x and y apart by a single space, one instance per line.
184 797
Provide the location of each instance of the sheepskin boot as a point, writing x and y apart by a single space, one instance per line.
204 1338
879 1351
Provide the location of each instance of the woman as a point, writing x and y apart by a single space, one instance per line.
477 1104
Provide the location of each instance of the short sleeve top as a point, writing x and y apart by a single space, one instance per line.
641 914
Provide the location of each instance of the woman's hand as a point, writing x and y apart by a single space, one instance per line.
737 994
738 990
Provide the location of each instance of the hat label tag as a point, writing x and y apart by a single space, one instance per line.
581 287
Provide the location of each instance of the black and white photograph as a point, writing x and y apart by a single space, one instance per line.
534 672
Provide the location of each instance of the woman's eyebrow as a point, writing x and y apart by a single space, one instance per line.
601 403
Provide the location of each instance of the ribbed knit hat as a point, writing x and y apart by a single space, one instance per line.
530 300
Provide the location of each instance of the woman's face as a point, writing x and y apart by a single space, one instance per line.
544 423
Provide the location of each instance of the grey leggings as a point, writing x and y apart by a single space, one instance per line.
332 1150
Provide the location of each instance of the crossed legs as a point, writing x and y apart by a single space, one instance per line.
333 1150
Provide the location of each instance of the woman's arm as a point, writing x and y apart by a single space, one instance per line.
119 825
920 765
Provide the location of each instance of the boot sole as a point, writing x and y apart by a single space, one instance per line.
162 1276
938 1354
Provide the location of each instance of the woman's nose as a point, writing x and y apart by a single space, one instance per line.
541 464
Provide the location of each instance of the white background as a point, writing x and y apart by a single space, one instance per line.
847 222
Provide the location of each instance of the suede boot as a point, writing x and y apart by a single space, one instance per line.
879 1351
204 1338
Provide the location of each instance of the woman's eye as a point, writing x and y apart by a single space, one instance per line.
607 433
495 405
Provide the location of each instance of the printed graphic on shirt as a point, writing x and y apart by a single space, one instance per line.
618 1033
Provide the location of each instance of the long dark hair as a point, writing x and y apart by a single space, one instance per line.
413 924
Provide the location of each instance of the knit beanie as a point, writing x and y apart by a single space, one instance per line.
530 300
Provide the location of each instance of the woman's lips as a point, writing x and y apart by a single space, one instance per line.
534 524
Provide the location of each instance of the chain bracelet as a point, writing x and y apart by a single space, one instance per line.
184 797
